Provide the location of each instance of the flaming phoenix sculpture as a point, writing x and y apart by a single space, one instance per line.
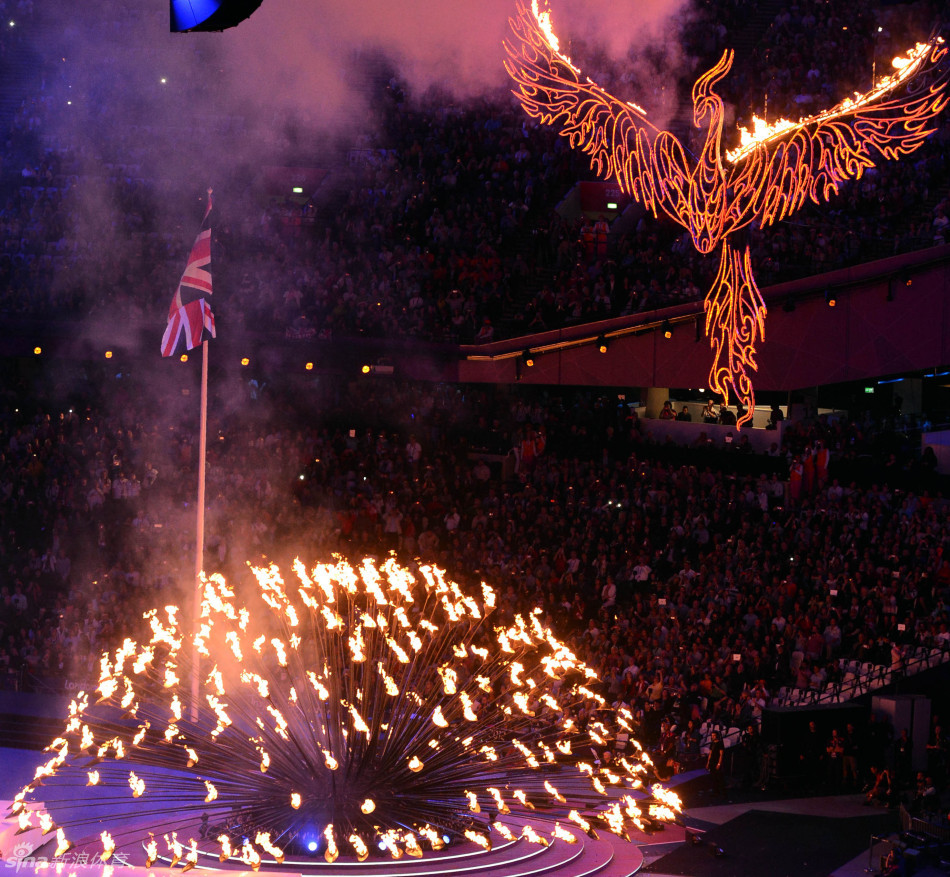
355 707
765 179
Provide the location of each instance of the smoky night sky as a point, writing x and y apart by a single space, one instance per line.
290 67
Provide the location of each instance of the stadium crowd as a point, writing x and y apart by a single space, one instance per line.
694 580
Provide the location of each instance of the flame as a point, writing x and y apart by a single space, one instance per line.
263 840
175 848
136 784
467 709
661 811
62 845
449 678
250 856
362 851
108 846
530 835
478 839
667 797
762 132
192 858
523 798
391 842
632 811
578 820
434 838
504 831
332 851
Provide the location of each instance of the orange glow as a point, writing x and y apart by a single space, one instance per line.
385 663
769 176
762 131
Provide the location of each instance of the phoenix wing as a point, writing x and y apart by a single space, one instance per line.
812 158
649 164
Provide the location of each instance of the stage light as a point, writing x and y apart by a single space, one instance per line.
209 15
312 846
906 279
245 361
527 358
309 366
830 299
37 350
184 357
298 190
108 354
667 329
366 369
602 344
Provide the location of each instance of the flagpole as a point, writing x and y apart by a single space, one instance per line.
200 523
200 526
190 317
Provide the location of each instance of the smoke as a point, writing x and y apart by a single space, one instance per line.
155 117
295 64
455 46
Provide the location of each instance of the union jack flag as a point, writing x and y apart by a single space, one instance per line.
189 316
